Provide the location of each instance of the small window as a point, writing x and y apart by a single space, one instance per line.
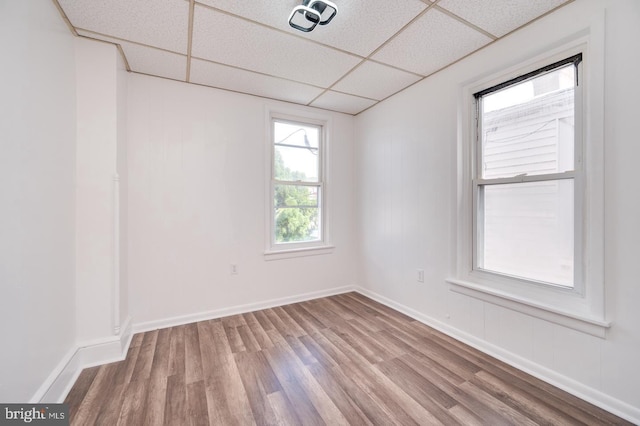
297 186
527 172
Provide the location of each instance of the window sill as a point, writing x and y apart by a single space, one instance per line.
584 323
297 252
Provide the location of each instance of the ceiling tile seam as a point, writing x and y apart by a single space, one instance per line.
258 72
465 22
438 70
124 57
65 18
338 80
357 96
537 18
377 61
471 53
117 46
235 91
405 26
189 40
262 24
127 41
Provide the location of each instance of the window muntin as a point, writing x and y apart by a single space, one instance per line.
297 185
524 186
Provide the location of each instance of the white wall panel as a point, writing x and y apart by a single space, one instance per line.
393 245
37 189
197 202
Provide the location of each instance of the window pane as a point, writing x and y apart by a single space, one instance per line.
528 230
528 127
296 152
297 213
296 164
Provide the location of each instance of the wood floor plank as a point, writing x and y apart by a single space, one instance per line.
343 359
154 407
262 410
175 406
259 334
132 411
144 360
402 377
79 390
283 410
193 358
528 404
286 373
338 394
197 411
177 351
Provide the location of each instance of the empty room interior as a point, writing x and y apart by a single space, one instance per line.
321 212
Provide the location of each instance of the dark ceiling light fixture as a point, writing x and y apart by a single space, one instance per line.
311 13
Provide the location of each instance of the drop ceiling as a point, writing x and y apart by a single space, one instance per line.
371 50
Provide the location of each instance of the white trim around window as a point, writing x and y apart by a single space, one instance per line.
580 307
275 249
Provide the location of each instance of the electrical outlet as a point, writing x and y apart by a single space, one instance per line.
234 269
420 275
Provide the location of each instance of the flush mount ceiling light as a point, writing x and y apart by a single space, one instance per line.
311 13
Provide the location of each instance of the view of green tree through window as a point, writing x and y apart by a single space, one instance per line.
296 182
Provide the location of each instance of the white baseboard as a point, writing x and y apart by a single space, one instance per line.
593 396
239 309
112 349
88 354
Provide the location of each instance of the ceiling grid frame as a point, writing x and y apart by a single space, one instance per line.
350 90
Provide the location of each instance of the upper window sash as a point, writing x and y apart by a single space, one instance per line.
480 141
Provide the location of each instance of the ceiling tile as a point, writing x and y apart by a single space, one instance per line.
359 27
159 23
222 38
224 77
377 81
430 43
148 60
499 17
343 103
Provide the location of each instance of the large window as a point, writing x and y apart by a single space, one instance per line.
527 176
297 186
530 233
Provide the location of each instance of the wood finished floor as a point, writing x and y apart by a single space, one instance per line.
338 360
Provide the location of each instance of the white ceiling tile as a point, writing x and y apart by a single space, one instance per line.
148 60
359 27
377 81
159 23
225 39
224 77
499 17
430 43
343 103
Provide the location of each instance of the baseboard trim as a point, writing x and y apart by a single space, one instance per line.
112 349
84 355
593 396
239 309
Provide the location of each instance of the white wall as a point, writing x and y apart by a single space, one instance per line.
122 165
197 203
95 168
406 182
101 153
37 165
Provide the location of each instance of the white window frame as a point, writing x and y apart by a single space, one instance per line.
582 307
576 175
274 250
